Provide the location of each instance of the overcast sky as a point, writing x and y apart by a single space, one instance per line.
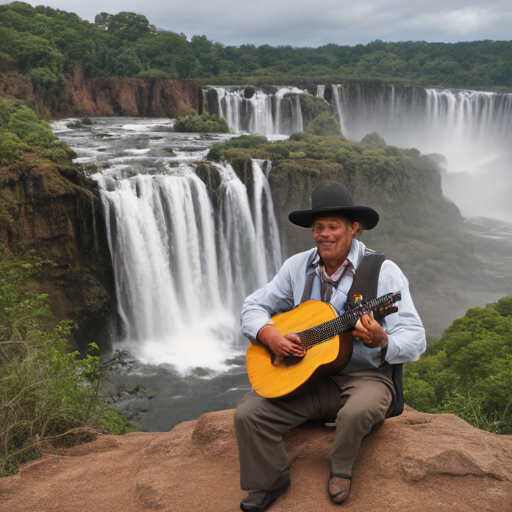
313 22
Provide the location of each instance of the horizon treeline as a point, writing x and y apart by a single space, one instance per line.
48 43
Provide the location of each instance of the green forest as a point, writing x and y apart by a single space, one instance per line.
48 43
468 372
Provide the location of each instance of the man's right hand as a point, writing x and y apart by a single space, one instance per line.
281 345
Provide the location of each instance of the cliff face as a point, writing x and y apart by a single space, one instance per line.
106 97
56 212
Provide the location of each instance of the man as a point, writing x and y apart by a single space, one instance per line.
363 393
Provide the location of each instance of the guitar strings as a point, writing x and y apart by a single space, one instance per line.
328 330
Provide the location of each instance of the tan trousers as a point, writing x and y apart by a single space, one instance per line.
357 402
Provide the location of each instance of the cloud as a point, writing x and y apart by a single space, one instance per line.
458 21
312 23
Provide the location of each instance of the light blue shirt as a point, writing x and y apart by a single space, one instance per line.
406 335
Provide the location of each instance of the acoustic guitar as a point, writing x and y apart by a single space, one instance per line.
323 333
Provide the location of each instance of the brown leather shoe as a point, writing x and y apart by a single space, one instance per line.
339 487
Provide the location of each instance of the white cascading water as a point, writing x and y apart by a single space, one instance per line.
183 269
471 129
263 113
465 126
267 231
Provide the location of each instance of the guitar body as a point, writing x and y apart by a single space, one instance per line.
294 374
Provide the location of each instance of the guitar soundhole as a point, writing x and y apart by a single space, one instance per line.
292 360
285 361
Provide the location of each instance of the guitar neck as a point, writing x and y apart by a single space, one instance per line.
344 322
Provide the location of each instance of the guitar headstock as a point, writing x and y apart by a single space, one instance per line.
396 297
389 307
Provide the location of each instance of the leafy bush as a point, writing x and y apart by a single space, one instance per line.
45 391
204 123
155 73
22 131
312 106
373 139
247 141
11 147
324 124
80 123
47 81
468 372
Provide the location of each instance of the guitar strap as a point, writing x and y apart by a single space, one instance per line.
310 277
366 280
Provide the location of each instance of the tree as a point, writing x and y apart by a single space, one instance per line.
468 372
324 124
102 20
128 26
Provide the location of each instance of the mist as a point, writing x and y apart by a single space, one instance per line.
471 130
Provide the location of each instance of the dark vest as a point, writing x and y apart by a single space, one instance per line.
365 283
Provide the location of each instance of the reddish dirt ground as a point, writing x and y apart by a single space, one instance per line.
416 462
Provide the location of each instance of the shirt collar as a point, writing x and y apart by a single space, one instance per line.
355 255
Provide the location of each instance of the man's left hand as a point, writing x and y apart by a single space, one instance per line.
369 331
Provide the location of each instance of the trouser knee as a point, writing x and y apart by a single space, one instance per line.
358 419
243 417
249 413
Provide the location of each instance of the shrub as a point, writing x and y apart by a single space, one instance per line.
186 111
246 141
374 140
155 73
45 391
80 123
11 147
22 131
47 81
312 106
204 123
324 124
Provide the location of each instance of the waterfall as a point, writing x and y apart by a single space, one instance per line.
183 263
465 126
339 108
267 232
252 110
471 129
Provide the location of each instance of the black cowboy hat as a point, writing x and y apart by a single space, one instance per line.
331 197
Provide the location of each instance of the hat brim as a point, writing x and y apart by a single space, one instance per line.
367 217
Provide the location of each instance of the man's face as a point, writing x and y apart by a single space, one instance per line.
333 237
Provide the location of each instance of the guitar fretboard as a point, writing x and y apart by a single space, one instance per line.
343 323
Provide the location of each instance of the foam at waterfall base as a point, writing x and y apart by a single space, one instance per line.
206 342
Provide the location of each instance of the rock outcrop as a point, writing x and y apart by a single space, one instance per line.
56 212
414 463
107 97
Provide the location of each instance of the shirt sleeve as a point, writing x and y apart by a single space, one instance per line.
275 297
406 335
